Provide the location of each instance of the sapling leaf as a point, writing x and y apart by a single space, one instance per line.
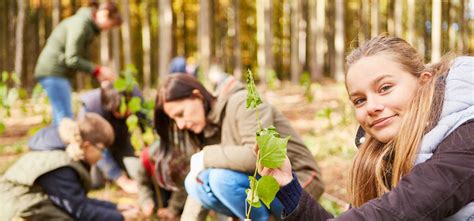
120 85
253 99
132 122
134 105
136 140
123 106
4 76
148 136
252 196
267 188
272 147
2 127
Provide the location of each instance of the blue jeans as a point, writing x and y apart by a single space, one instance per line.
59 94
223 191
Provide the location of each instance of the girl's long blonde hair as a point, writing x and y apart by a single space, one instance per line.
378 167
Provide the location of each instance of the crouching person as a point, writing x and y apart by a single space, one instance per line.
51 182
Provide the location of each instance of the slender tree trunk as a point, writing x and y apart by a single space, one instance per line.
146 44
235 30
264 39
127 44
3 36
374 18
302 38
364 25
204 32
20 27
320 36
104 48
398 14
286 38
295 19
463 30
179 31
165 36
453 8
339 40
56 12
436 31
411 30
312 39
117 64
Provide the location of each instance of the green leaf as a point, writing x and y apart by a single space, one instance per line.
132 122
272 147
148 136
149 105
253 99
15 78
123 106
120 85
255 201
267 188
136 140
37 91
134 105
2 127
11 97
4 76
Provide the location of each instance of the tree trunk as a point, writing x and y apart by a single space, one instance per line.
398 14
237 61
3 36
204 32
436 31
127 44
364 14
411 30
56 12
117 64
453 8
313 39
104 48
264 39
20 27
374 18
339 41
302 38
321 41
146 44
295 61
165 36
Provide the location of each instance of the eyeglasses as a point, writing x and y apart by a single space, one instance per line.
99 147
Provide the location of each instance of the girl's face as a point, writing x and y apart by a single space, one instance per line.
188 113
381 92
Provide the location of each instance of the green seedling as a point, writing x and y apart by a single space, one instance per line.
272 154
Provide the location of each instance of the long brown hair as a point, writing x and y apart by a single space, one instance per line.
378 167
177 87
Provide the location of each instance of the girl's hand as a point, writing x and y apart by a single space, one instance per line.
282 175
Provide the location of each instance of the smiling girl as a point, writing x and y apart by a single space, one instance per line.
417 160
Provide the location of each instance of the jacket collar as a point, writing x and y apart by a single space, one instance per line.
216 114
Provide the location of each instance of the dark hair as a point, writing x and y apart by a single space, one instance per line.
95 129
110 98
177 87
111 7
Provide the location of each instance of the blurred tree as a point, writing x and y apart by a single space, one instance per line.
339 41
20 29
436 31
165 36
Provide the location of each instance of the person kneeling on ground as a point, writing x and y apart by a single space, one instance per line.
51 182
105 101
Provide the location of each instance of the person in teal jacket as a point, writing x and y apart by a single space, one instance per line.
66 52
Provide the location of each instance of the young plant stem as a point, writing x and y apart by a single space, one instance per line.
253 187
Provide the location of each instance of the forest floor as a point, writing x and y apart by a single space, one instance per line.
326 124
